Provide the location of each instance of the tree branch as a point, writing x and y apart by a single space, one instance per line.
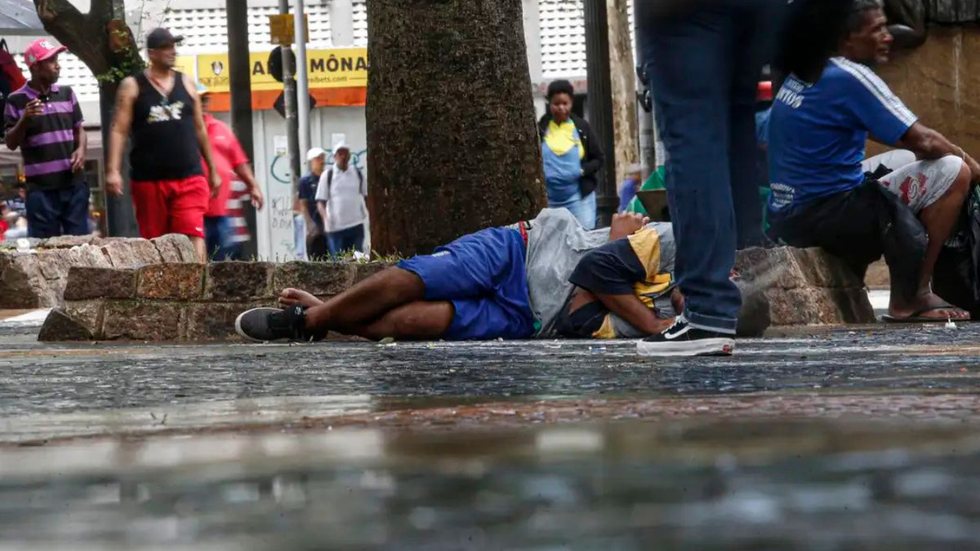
82 34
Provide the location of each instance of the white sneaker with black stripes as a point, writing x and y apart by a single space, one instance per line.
680 339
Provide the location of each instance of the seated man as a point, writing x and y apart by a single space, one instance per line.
819 125
510 282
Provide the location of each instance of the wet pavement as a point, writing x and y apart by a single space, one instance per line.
867 438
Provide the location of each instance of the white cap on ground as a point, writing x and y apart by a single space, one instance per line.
315 152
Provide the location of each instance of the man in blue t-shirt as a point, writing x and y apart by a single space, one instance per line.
820 122
316 239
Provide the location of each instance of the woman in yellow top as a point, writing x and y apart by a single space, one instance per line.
571 154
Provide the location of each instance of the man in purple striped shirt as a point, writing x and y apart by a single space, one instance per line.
45 121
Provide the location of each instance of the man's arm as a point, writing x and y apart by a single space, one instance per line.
16 134
244 171
81 144
122 120
593 162
928 144
201 130
323 195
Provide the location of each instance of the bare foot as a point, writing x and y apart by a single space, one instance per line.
291 297
929 306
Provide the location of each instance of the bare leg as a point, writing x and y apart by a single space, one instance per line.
420 320
939 220
366 302
200 248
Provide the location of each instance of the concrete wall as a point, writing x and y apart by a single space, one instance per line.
940 83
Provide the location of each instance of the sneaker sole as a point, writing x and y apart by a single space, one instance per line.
700 347
238 325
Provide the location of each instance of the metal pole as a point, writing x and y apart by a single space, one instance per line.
599 107
289 92
302 79
239 70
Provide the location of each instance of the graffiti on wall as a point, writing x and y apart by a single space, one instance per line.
279 167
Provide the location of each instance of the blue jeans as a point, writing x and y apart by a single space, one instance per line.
583 209
346 240
51 213
703 67
218 234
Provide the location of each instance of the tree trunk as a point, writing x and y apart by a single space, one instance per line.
622 70
451 133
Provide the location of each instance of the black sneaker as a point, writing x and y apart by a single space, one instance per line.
271 324
681 339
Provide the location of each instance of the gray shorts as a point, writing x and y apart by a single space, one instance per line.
919 184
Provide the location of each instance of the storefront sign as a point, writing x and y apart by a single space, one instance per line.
334 68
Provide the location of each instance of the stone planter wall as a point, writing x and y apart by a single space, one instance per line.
37 278
805 286
183 302
194 302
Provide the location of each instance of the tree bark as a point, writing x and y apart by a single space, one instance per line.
622 70
450 121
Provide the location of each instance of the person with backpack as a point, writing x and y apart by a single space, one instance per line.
571 154
44 120
340 201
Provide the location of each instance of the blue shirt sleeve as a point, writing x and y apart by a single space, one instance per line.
872 103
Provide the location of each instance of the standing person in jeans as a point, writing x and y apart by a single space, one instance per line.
45 121
162 108
232 164
571 154
703 60
340 200
316 239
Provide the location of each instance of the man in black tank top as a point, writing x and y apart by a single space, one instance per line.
162 108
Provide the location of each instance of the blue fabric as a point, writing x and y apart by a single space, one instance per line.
346 240
57 212
218 238
584 210
818 132
307 192
562 174
762 127
484 276
703 68
626 193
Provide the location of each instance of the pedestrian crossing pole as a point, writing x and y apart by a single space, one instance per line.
599 104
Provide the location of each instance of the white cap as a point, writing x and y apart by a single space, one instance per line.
315 152
340 145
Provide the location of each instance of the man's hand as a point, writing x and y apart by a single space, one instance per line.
626 224
214 180
33 108
257 199
77 160
113 183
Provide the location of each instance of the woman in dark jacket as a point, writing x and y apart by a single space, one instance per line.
572 156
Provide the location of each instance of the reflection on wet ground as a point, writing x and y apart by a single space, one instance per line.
784 485
861 439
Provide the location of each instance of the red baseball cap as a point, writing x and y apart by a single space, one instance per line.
764 91
41 49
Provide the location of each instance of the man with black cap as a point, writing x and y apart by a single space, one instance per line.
162 108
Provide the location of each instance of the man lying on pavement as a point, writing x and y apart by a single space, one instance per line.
542 278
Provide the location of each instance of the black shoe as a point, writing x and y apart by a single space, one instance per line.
271 324
681 339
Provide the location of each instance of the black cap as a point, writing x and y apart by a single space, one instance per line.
161 37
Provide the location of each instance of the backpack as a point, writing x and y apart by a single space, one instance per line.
956 277
11 78
360 179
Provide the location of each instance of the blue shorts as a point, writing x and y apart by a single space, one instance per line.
55 212
484 276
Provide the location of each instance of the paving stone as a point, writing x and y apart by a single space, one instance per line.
88 313
142 320
216 321
319 278
68 241
175 247
22 285
182 281
60 326
88 283
365 270
131 253
239 280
